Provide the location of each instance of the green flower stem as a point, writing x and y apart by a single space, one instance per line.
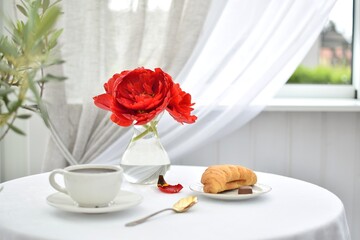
154 128
141 135
150 127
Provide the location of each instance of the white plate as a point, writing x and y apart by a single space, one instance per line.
123 200
258 189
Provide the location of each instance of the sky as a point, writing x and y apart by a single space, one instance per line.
341 14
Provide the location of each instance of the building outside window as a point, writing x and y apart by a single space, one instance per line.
330 59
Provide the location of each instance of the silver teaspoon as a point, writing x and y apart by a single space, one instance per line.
180 206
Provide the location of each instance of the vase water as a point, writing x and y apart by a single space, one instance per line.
145 157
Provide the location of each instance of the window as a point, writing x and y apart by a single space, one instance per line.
327 70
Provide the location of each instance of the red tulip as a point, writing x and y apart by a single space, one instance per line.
138 96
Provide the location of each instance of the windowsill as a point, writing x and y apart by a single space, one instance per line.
313 105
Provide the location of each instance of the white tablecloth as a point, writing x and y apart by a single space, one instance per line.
294 209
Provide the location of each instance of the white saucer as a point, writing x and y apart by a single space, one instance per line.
258 189
123 200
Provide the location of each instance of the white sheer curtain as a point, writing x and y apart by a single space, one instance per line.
247 51
101 38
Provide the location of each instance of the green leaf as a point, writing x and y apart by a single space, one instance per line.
23 116
13 105
34 90
4 68
56 2
6 91
17 32
15 129
4 84
24 4
22 9
50 77
7 48
36 4
45 5
47 21
53 62
31 26
54 37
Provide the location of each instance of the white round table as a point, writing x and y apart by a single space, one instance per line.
293 209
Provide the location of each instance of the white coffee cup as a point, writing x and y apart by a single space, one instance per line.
89 185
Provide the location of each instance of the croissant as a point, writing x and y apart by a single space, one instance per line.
219 178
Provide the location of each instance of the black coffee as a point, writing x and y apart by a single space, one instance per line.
93 170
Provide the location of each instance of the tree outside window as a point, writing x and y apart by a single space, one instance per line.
330 59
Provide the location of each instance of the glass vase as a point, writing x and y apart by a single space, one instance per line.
145 157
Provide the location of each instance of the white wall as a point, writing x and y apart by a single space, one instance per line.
21 156
318 147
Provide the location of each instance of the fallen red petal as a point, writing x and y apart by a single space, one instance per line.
164 187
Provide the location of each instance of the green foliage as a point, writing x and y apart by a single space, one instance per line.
24 55
322 75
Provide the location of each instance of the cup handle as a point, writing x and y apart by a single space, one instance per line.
54 184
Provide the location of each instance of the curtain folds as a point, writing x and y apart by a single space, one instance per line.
101 38
247 51
231 56
250 67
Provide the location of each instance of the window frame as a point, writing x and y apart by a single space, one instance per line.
323 91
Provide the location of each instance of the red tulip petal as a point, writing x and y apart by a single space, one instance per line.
103 101
120 120
163 186
180 106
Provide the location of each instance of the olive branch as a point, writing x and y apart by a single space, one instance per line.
24 54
